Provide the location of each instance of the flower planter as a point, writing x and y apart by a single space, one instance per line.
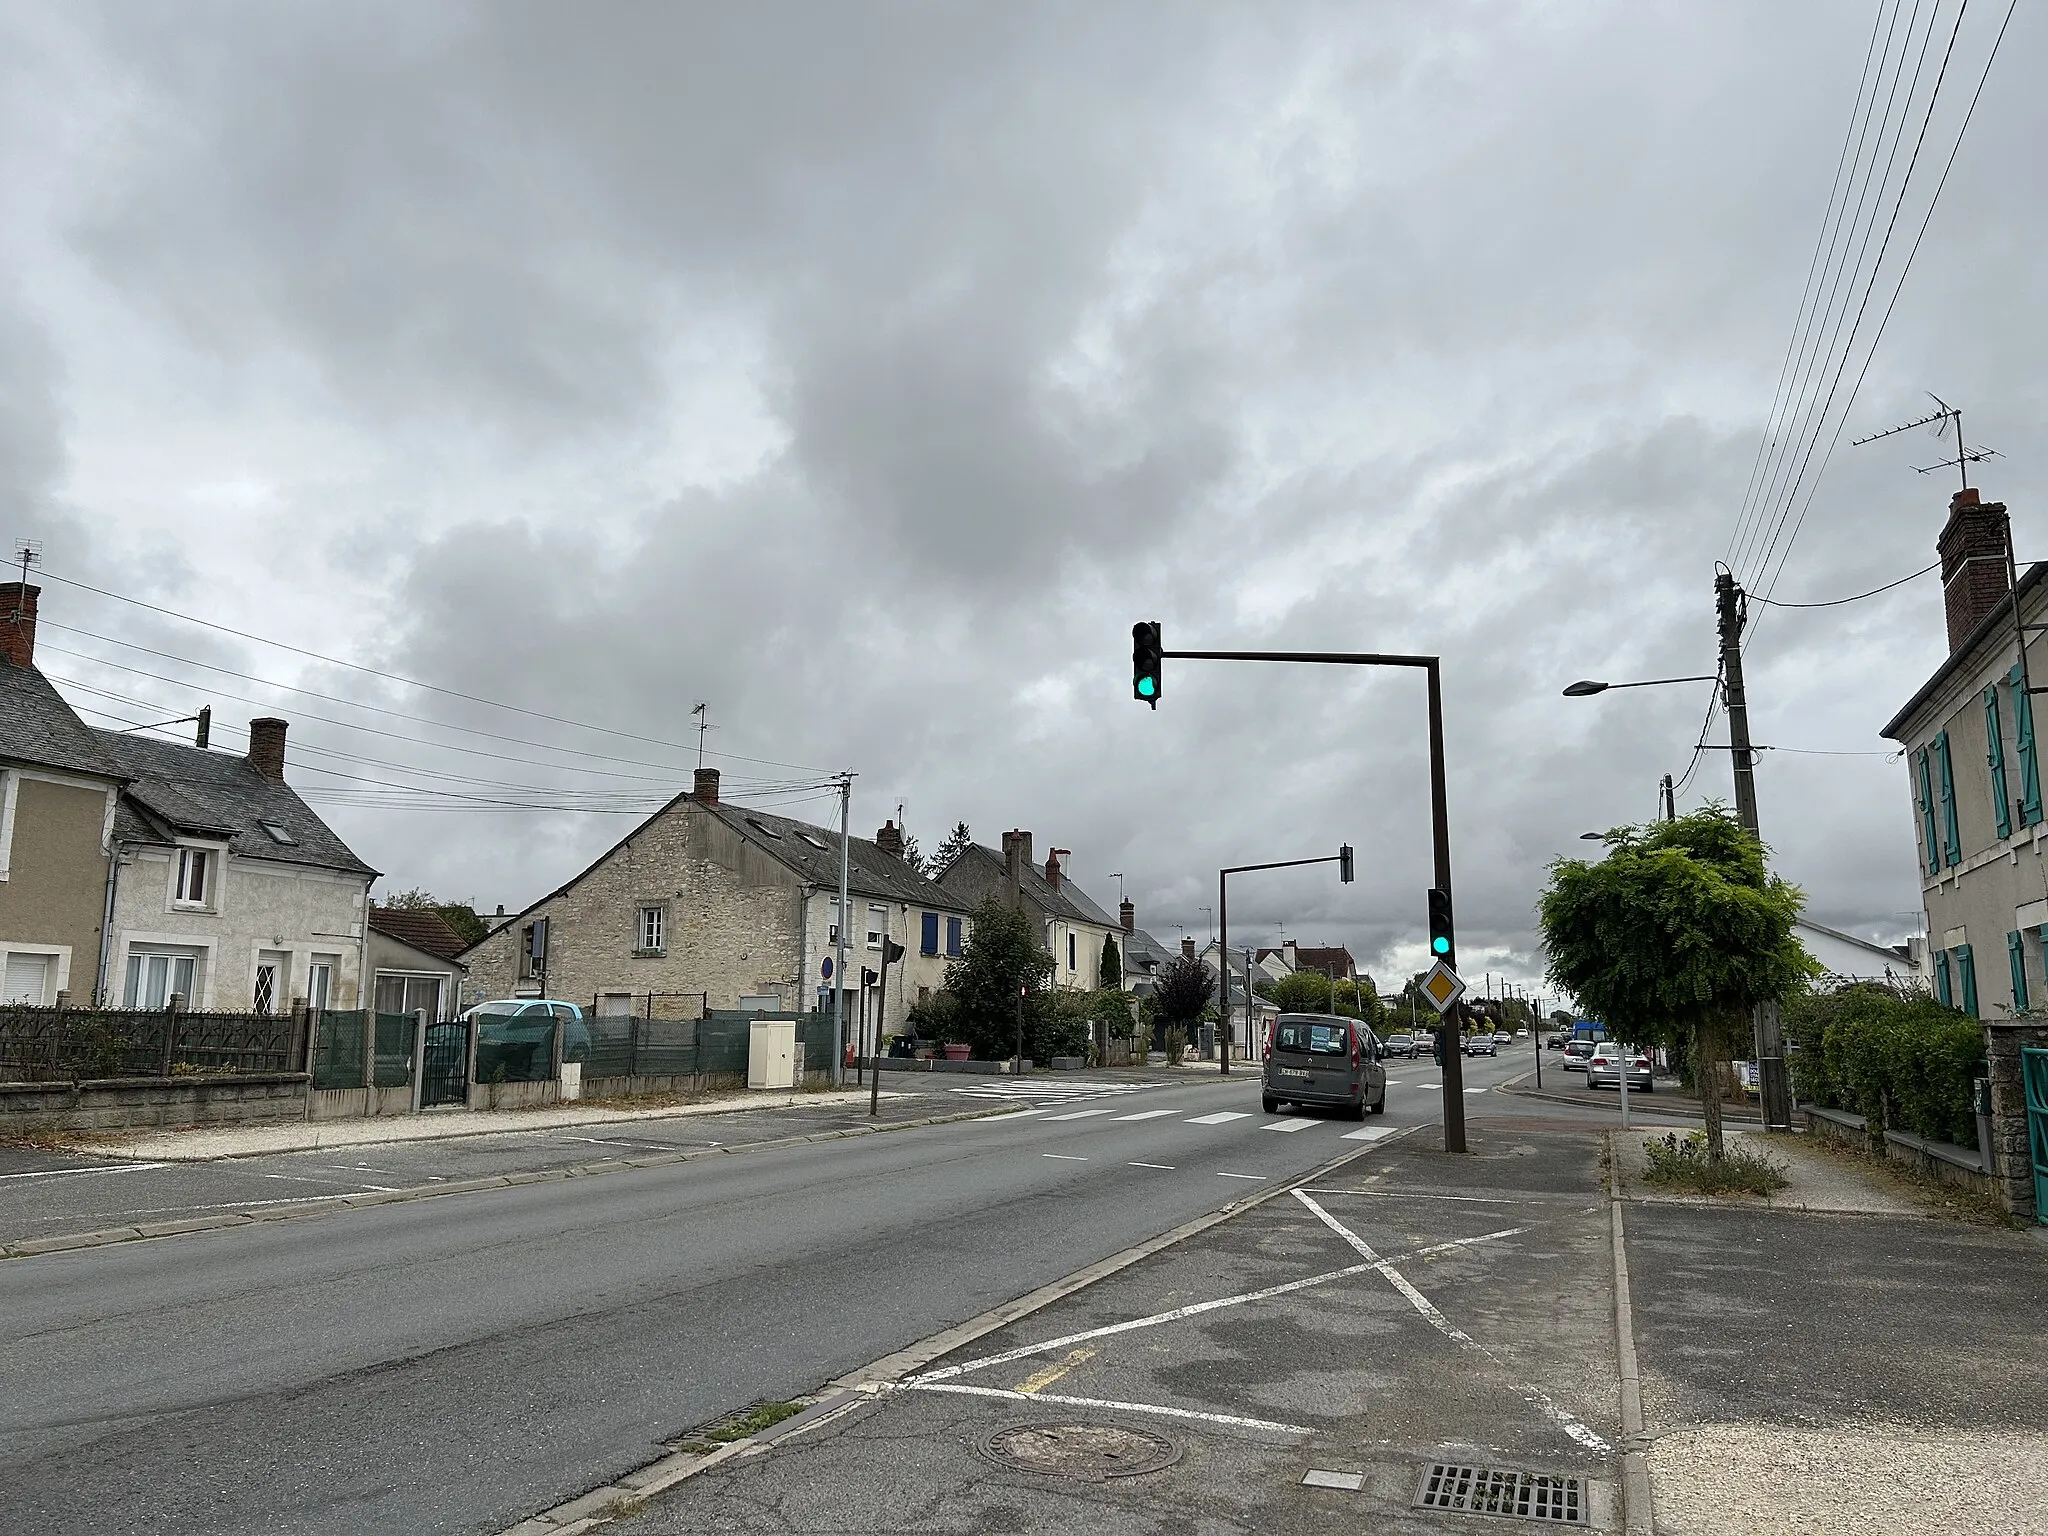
958 1052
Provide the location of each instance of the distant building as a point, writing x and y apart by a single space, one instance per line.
1070 925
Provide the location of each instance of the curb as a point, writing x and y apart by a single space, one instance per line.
1685 1108
847 1393
31 1247
1638 1504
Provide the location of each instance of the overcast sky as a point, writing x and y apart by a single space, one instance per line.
866 370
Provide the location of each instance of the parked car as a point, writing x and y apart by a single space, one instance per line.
1318 1060
1480 1045
1605 1066
1576 1054
1557 1041
512 1032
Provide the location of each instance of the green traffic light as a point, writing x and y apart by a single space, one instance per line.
1441 945
1147 686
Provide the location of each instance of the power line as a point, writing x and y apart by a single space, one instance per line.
1837 602
393 677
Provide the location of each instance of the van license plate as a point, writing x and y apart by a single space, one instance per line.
1292 1072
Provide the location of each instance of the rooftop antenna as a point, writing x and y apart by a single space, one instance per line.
27 552
1944 413
703 725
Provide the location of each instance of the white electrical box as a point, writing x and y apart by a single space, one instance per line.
771 1053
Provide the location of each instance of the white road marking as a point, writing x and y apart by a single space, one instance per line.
595 1141
1287 1125
1535 1396
1315 1477
1020 1114
1144 1114
1161 1167
1240 1176
307 1178
1476 1090
1063 1157
1224 1118
1371 1133
1230 1419
1413 1194
62 1173
1081 1114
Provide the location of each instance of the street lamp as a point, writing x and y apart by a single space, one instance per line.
1585 688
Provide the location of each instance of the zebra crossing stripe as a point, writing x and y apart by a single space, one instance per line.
1082 1114
1223 1118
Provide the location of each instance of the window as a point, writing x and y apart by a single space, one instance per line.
1994 756
154 975
192 872
2023 740
27 980
1314 1039
264 999
1073 962
765 831
650 935
278 833
320 981
817 843
878 924
832 927
928 934
399 993
1966 980
1924 779
534 952
1951 836
2016 958
953 946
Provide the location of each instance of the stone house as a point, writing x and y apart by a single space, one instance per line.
412 962
58 794
1071 926
706 904
226 887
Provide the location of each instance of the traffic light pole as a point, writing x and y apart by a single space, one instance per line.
1223 937
1452 1035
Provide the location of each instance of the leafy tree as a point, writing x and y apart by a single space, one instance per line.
459 915
1184 990
1674 937
1002 957
1112 972
957 842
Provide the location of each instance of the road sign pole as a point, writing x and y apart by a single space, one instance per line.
1440 832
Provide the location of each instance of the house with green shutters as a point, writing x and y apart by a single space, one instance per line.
1974 772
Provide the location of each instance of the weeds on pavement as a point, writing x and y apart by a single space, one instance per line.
1683 1165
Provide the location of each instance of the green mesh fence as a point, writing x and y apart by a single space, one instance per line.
514 1050
338 1049
394 1050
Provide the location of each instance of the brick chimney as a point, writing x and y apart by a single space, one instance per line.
1128 916
1052 867
1973 548
705 790
1016 854
890 839
266 747
1187 947
18 623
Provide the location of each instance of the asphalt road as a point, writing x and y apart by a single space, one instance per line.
454 1364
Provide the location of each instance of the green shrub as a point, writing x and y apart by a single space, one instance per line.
1684 1165
1902 1062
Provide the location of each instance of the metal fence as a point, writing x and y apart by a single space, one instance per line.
339 1060
717 1043
75 1044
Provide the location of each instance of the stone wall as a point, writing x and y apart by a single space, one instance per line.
165 1103
2004 1039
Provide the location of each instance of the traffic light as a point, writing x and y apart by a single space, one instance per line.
1344 864
1440 941
1146 652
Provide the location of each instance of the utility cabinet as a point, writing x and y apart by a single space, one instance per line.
771 1053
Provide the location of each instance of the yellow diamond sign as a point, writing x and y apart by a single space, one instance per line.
1442 986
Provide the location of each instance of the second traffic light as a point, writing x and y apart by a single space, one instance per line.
1146 654
1441 942
1344 864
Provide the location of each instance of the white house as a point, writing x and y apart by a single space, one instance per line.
1847 958
226 888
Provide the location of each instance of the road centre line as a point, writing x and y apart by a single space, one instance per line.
1161 1167
1240 1176
59 1173
1192 1309
1065 1157
1224 1118
1084 1114
1146 1114
1534 1396
1233 1420
1289 1125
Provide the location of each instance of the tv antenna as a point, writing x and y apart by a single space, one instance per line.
1944 414
701 711
27 552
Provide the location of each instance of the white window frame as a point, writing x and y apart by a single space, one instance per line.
212 864
135 974
320 972
650 928
877 934
57 978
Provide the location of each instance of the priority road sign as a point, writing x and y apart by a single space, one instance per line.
1443 987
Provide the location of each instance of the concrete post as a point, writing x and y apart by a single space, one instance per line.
419 1056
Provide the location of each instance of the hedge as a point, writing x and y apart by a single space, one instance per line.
1903 1063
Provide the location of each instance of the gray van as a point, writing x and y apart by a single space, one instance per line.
1320 1059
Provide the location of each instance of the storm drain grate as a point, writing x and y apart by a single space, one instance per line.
1503 1491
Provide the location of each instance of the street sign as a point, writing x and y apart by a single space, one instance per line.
1443 987
825 970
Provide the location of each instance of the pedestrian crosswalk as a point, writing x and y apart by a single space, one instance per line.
1289 1125
1035 1091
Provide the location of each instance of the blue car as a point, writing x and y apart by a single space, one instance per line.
516 1034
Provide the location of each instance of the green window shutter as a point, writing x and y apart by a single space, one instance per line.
2023 733
1924 792
1942 990
2016 957
1994 755
1966 979
1951 833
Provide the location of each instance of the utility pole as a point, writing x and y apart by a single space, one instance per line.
839 962
1767 1038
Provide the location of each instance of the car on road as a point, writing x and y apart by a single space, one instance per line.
1399 1045
512 1033
1480 1045
1502 1037
1319 1060
1576 1054
1605 1066
1557 1041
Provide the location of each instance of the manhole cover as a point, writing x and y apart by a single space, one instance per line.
1503 1491
1087 1451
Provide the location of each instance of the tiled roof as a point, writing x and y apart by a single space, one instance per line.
1069 902
202 793
37 726
423 928
813 852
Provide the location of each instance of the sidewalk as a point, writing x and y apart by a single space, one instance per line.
1838 1359
1562 1087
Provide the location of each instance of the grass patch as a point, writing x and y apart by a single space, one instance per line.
1954 1201
1682 1165
737 1426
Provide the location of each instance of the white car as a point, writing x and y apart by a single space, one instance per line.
1609 1061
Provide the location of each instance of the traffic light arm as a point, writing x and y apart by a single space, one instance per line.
1239 869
